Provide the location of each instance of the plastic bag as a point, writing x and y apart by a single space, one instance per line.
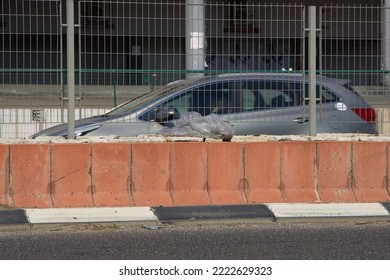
194 124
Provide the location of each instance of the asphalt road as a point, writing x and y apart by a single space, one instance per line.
353 240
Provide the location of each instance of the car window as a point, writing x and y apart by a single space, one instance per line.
168 110
260 95
249 99
217 98
295 92
327 96
141 101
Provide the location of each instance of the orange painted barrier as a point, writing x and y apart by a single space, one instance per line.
334 176
297 169
71 184
4 174
111 174
369 171
262 172
173 173
30 175
226 173
189 184
151 180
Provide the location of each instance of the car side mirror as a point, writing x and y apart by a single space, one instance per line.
165 114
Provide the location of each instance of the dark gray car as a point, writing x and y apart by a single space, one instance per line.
252 103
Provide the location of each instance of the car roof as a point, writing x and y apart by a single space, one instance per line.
287 76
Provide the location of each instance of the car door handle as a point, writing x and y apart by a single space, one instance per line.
301 120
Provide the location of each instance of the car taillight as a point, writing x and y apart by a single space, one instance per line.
367 114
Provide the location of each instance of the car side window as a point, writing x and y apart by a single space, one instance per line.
296 92
280 94
326 95
169 109
201 101
260 95
248 99
251 99
216 98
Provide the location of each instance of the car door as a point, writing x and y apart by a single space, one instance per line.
329 112
269 107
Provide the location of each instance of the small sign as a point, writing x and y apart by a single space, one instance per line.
197 40
36 115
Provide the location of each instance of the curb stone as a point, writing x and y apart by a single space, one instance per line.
269 211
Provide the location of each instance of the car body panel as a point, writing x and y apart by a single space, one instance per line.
127 129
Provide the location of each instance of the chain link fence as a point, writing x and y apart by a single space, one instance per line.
124 49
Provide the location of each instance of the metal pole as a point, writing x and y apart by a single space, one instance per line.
114 82
312 70
386 41
195 29
70 67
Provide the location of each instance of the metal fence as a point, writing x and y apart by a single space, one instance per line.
145 43
127 48
353 45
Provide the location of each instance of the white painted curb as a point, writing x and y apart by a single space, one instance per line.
302 210
85 215
274 211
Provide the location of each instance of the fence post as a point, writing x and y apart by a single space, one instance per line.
312 71
386 41
195 36
70 67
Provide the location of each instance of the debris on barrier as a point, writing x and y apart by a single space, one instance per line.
195 125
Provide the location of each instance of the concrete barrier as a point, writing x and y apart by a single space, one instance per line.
29 175
150 174
298 171
369 171
189 184
262 172
226 180
334 172
4 174
111 165
70 169
56 175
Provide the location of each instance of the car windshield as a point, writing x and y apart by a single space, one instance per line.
127 106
